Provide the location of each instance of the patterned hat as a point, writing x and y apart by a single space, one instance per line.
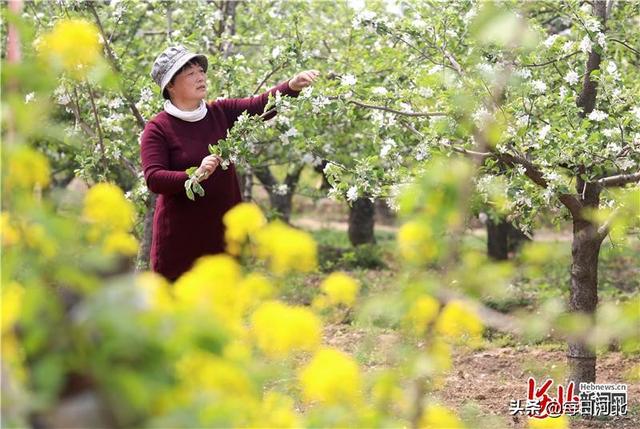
170 61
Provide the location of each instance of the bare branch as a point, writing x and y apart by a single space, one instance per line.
388 109
271 73
635 51
481 156
619 180
546 63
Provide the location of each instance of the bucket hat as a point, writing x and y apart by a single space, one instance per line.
169 62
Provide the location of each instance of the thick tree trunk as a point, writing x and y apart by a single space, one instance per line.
585 251
361 222
281 202
144 252
497 240
503 238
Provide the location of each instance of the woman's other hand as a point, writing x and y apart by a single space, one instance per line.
303 79
207 167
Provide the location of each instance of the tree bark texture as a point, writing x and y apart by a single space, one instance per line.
361 222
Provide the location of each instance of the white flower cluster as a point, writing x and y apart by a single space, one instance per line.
281 189
597 115
365 19
388 146
482 117
352 194
539 86
572 77
348 80
319 103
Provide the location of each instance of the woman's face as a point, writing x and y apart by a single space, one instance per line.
190 84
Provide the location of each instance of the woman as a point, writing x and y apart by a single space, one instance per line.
178 138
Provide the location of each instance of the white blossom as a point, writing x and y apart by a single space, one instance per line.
419 24
291 132
597 115
636 112
572 77
482 116
567 47
275 52
592 24
116 103
612 69
281 189
585 45
379 90
348 80
29 97
389 144
542 134
523 73
602 40
550 40
563 92
435 69
426 92
306 92
610 132
539 86
352 194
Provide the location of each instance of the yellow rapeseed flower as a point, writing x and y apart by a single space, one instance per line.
73 45
253 289
415 242
200 372
332 377
561 422
241 222
423 311
121 243
281 329
106 206
436 416
26 169
211 287
11 304
340 289
278 411
37 238
9 233
287 249
458 320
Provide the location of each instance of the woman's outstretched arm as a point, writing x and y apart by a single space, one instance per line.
234 107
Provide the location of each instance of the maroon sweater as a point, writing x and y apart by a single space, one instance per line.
184 230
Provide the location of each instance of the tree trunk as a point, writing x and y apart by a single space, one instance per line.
502 239
583 298
142 262
281 202
361 222
497 240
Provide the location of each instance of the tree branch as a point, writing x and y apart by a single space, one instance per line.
114 63
388 109
619 180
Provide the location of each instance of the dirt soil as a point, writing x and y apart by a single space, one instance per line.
489 379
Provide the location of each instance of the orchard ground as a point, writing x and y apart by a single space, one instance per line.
483 380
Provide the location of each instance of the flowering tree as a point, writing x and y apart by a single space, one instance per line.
218 347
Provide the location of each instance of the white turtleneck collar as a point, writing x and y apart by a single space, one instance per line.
186 115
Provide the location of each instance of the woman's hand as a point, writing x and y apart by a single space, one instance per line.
207 167
303 79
